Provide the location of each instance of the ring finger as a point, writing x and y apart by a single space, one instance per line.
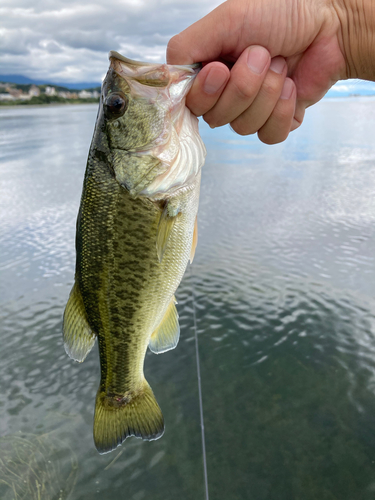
256 115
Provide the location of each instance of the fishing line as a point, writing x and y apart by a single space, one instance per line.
199 392
114 460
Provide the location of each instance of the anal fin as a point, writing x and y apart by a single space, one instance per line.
166 335
78 336
195 240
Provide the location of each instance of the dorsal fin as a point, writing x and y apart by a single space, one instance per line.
166 335
78 336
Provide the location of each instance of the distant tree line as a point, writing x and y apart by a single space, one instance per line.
47 99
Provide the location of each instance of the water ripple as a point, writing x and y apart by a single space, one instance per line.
284 291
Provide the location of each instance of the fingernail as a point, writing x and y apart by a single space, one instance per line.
215 79
277 65
287 89
257 59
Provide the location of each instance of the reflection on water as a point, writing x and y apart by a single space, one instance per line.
284 290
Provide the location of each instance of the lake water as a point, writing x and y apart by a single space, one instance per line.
283 291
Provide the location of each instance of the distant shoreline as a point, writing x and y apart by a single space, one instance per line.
46 105
84 102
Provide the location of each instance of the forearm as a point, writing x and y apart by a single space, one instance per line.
357 37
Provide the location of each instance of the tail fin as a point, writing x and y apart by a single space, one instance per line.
132 415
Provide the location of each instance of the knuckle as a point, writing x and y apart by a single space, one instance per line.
242 89
271 87
295 124
242 128
299 114
211 121
269 139
195 109
274 136
283 114
173 46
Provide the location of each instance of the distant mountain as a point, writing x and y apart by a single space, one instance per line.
20 79
341 89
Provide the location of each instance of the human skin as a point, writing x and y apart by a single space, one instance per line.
266 61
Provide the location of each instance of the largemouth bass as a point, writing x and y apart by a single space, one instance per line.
136 231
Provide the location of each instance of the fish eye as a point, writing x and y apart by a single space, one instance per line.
115 105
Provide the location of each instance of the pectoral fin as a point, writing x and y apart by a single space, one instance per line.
77 334
166 336
195 240
166 223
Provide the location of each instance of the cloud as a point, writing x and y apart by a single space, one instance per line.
69 40
351 87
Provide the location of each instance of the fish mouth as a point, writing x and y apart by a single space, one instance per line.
153 74
164 84
116 55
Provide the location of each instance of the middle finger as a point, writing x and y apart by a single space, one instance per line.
244 83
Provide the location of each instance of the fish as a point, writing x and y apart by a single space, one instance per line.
136 233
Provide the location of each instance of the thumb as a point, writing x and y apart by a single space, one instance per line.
207 39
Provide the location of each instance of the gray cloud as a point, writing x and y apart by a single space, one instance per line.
94 40
69 40
51 47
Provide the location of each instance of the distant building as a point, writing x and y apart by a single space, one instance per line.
16 93
65 95
34 91
84 94
51 91
7 97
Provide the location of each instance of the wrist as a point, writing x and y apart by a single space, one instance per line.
357 36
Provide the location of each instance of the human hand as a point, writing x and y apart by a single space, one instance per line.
284 56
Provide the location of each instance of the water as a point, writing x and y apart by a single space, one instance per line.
283 282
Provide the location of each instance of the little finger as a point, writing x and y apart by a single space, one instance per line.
277 127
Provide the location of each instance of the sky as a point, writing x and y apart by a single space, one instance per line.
69 40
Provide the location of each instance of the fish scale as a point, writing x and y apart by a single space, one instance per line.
133 248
